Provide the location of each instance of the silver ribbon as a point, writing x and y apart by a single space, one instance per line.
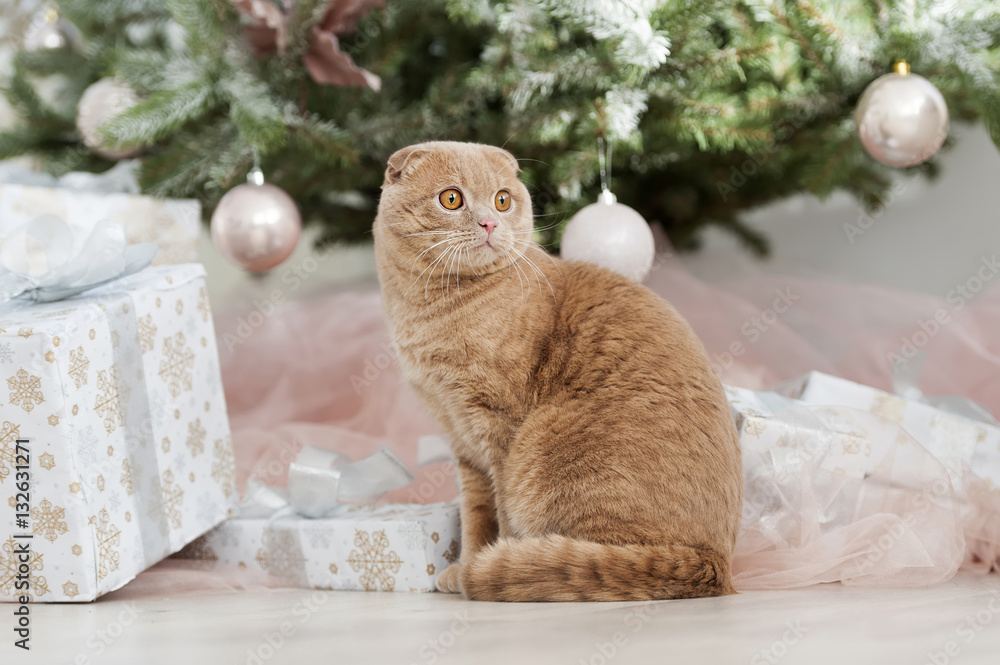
906 384
45 259
120 179
321 480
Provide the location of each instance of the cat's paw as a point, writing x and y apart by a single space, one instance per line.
449 581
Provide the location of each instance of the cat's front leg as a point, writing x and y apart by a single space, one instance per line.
479 522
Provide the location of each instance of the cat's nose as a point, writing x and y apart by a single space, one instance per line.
489 225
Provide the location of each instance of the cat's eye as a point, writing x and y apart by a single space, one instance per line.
451 199
502 200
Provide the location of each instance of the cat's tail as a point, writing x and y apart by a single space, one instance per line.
557 568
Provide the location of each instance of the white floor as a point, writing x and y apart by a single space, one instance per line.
957 622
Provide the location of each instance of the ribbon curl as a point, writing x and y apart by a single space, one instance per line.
321 480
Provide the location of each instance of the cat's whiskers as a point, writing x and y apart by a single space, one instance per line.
440 257
532 243
446 240
520 271
537 270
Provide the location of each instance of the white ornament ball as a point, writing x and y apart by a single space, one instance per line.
611 235
256 227
902 119
102 101
50 32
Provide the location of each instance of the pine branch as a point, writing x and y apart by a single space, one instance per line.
255 114
160 115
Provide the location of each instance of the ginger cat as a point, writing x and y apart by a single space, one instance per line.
597 456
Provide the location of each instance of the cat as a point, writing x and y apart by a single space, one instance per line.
596 454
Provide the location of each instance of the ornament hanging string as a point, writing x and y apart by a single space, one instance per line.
604 160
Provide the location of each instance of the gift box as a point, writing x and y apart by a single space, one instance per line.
173 225
966 447
836 494
393 547
117 397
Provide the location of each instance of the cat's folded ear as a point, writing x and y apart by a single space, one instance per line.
511 161
401 161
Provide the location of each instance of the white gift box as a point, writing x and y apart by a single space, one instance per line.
173 225
119 396
964 446
834 493
398 547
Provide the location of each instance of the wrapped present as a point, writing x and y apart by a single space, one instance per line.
964 445
960 433
114 399
392 547
82 200
309 536
835 494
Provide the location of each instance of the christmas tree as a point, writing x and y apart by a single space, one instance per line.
712 107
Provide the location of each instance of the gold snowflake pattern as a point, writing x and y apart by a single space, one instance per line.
78 366
224 466
374 560
76 550
108 404
147 333
50 356
889 406
179 307
25 332
9 434
100 482
203 306
451 554
126 477
25 390
46 461
9 563
175 368
754 424
435 537
173 498
55 341
75 488
431 569
109 538
196 438
54 420
165 444
48 521
333 569
70 590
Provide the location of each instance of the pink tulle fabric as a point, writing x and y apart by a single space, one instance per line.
321 372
